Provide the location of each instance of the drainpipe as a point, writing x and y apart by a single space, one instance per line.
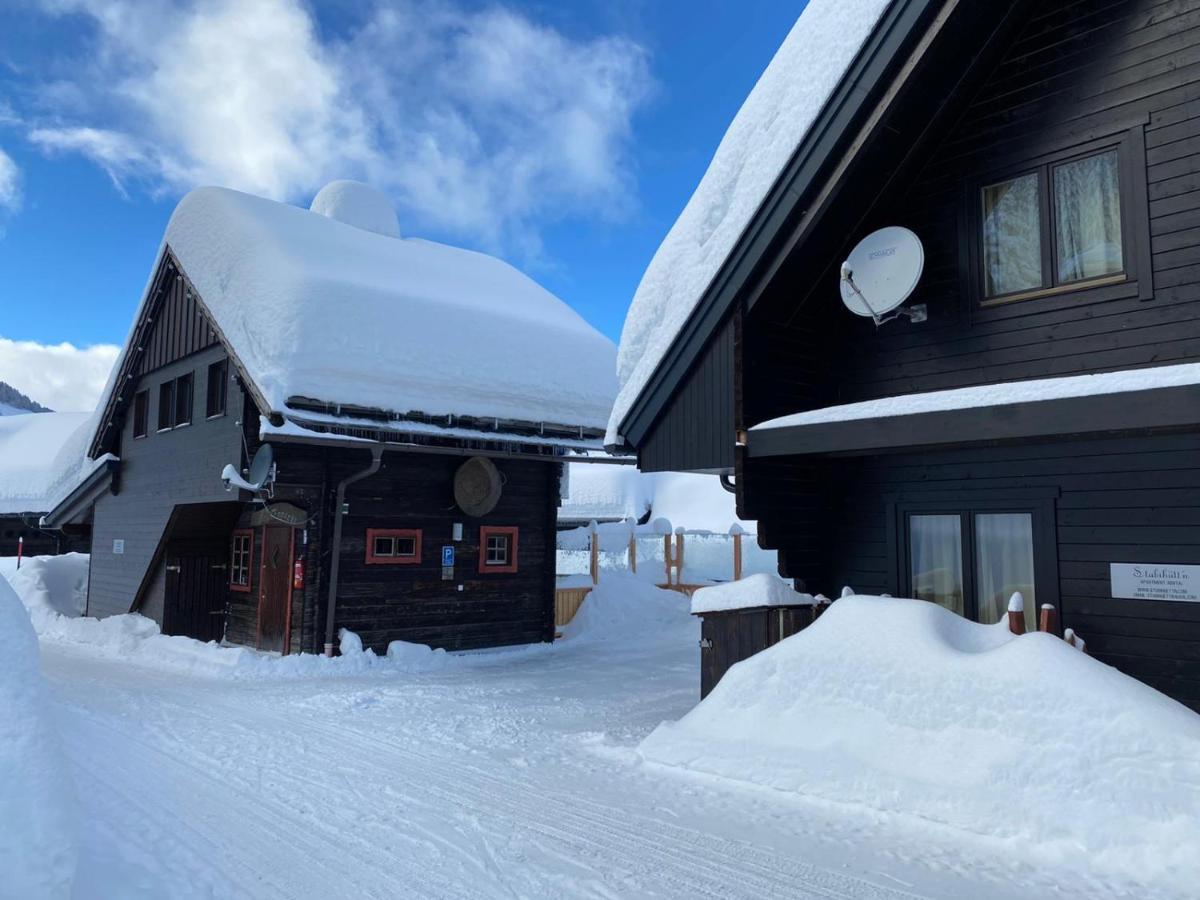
331 604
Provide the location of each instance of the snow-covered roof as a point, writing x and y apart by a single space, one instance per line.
771 124
751 592
604 492
317 308
40 455
985 395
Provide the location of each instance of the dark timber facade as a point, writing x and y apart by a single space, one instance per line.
947 101
172 543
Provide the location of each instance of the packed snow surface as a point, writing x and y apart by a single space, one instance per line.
903 707
597 491
357 204
997 395
761 139
762 589
37 819
319 309
49 585
39 454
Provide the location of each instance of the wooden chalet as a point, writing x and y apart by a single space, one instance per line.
417 403
1047 156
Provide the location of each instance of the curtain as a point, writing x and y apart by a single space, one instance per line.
1012 236
1004 564
935 548
1087 215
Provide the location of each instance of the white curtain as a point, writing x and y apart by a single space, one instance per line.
1012 236
1087 215
1004 564
935 543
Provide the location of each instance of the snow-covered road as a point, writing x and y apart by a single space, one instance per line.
514 776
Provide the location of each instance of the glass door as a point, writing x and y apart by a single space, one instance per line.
935 560
1003 565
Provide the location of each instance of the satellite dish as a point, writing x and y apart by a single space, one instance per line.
881 272
477 486
261 465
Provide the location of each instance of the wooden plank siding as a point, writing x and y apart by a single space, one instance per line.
696 432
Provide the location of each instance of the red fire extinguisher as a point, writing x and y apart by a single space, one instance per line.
298 573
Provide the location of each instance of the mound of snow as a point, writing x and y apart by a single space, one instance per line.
622 608
37 841
755 590
357 204
901 706
49 585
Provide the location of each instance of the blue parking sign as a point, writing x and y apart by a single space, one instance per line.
448 555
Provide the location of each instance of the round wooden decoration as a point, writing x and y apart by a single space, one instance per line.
477 486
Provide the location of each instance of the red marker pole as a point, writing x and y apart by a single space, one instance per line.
20 550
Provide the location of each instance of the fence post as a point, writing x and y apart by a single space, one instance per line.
667 555
633 552
679 556
1016 613
594 564
1049 619
737 556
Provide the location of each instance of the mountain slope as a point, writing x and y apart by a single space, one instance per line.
13 402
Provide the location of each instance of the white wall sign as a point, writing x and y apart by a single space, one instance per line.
1155 581
118 545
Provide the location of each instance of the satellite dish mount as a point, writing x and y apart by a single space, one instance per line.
259 479
880 273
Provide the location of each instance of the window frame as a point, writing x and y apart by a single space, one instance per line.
141 414
1039 504
218 373
166 405
512 532
374 559
248 534
188 380
1136 278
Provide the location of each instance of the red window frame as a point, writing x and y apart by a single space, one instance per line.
247 533
487 531
412 560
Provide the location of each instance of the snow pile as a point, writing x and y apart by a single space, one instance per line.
319 309
37 840
904 707
597 491
762 138
623 609
753 591
39 452
1032 391
357 204
49 585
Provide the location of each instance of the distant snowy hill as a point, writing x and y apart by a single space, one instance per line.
13 402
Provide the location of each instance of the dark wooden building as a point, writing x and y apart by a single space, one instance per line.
407 480
1048 157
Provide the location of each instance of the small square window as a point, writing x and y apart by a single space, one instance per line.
217 389
141 413
497 549
393 546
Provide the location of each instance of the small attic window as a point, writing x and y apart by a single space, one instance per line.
183 400
166 405
141 413
217 389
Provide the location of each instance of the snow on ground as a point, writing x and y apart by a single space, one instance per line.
754 151
903 707
493 774
49 585
37 819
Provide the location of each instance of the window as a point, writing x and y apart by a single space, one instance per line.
393 546
1069 220
166 405
141 413
183 400
218 387
497 549
240 560
971 562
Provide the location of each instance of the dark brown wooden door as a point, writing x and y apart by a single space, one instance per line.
275 588
194 596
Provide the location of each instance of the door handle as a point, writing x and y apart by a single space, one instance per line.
173 568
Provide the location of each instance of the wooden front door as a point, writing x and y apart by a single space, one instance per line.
194 593
275 588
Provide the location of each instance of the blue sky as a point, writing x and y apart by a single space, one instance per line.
564 137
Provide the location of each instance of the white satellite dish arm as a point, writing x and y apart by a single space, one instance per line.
848 278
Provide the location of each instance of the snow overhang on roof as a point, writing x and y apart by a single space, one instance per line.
797 114
1136 399
41 456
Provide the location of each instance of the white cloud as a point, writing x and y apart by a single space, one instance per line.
10 185
478 121
63 377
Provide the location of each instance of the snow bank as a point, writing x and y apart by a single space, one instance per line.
761 139
321 309
1031 391
39 452
756 590
49 585
597 491
627 610
37 841
904 707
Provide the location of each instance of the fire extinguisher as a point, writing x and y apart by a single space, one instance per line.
298 573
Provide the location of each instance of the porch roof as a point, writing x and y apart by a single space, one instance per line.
1151 398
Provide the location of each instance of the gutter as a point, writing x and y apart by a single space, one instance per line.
331 604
